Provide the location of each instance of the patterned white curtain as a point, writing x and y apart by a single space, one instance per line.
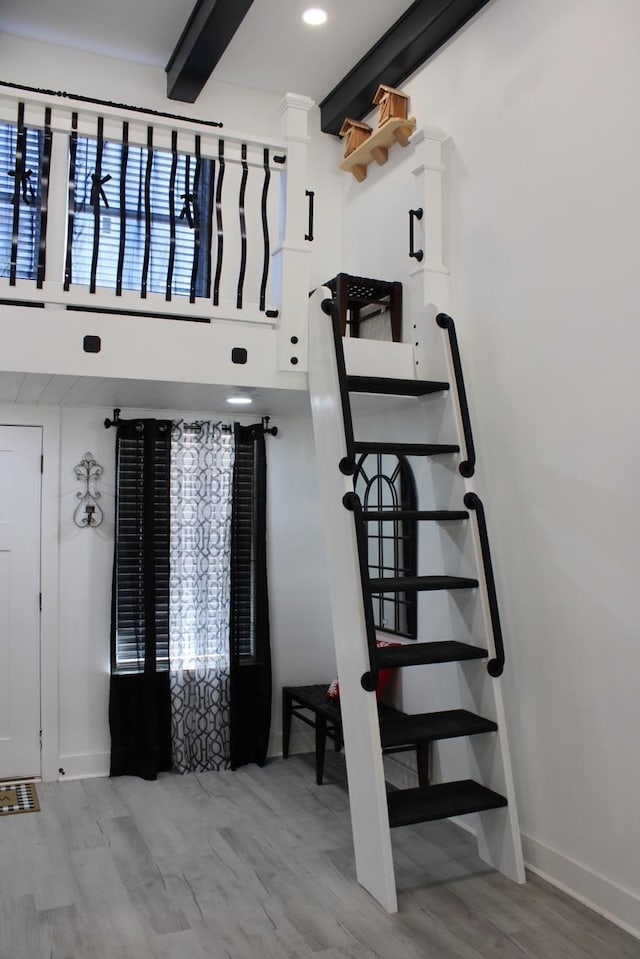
202 458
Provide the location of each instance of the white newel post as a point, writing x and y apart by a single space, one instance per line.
291 256
429 170
429 290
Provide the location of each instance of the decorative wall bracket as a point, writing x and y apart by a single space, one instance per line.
88 512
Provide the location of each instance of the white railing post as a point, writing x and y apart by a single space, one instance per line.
429 287
291 256
430 170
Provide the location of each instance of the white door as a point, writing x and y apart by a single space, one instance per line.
20 481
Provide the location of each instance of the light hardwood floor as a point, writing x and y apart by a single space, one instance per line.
257 864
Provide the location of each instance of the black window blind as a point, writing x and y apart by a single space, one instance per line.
27 192
144 222
141 569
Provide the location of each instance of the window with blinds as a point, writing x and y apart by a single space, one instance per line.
385 482
20 201
141 219
141 579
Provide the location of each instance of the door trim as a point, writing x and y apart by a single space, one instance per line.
49 421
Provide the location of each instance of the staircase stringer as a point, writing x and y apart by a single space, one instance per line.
497 831
365 774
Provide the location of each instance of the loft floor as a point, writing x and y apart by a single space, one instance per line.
257 863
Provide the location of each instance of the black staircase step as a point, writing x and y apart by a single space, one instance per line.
407 449
431 515
407 806
421 654
394 386
393 584
399 729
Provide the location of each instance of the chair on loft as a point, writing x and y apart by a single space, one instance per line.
357 298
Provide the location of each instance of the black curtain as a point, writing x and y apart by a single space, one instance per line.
139 703
250 643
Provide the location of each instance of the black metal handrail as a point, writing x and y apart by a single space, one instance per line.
494 666
310 194
467 467
417 254
347 464
351 501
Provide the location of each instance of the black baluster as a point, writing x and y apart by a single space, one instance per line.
124 160
44 198
265 230
216 282
73 149
243 226
172 213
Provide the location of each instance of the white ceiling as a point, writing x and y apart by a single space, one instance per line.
273 50
40 389
46 389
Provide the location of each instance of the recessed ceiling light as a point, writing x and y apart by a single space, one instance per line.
314 16
239 400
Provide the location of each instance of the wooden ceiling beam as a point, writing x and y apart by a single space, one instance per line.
207 35
419 32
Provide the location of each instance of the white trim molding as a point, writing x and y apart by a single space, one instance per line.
617 904
83 766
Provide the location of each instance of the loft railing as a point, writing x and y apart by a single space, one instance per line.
106 207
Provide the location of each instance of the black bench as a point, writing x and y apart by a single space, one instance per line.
311 705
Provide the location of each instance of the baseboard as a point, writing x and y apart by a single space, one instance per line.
618 905
84 766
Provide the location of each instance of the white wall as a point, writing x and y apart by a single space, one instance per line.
540 101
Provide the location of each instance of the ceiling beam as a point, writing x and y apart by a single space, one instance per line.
207 35
419 32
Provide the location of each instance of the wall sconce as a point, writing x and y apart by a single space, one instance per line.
88 512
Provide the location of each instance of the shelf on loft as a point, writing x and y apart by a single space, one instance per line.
376 147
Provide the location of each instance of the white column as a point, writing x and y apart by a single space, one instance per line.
429 288
429 170
291 256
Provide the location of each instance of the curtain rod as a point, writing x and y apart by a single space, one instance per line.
272 430
110 103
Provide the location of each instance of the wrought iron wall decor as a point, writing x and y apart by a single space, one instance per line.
88 511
